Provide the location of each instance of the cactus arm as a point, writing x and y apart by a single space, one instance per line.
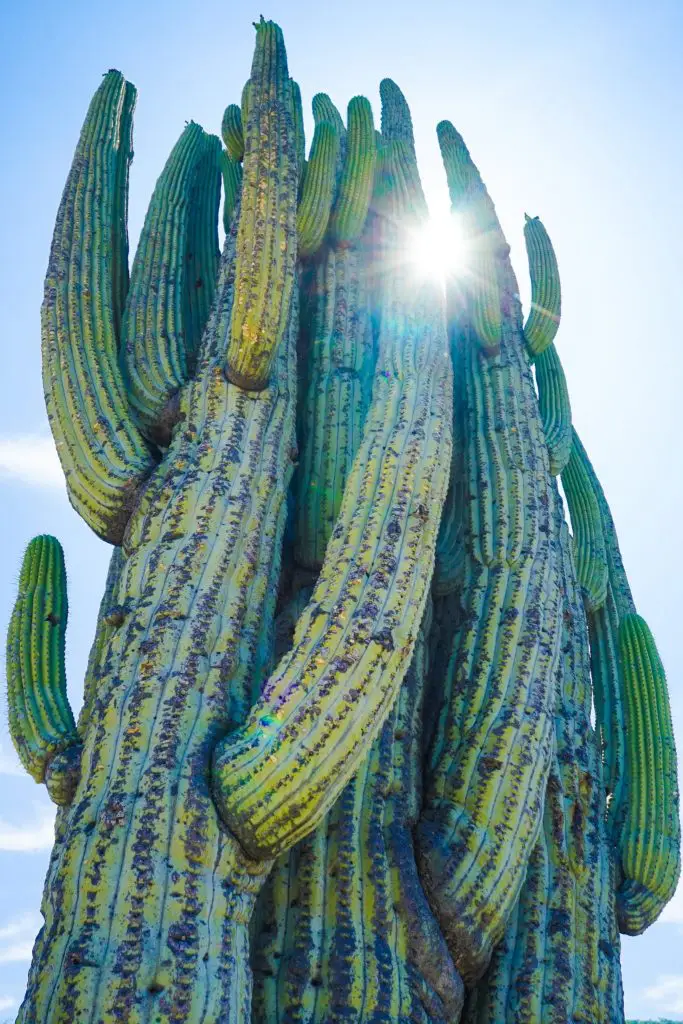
317 191
589 539
358 174
266 239
277 778
104 457
41 723
546 297
397 122
172 282
325 110
555 408
232 187
232 134
487 768
650 841
299 133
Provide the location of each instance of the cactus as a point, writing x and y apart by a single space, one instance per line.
345 634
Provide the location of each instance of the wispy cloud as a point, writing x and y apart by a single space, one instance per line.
30 836
7 1003
16 941
667 992
31 458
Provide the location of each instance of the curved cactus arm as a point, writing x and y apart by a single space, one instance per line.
277 777
266 237
546 296
325 110
41 723
317 190
104 456
589 539
358 174
488 765
650 840
172 282
555 408
299 133
486 245
232 133
397 122
232 188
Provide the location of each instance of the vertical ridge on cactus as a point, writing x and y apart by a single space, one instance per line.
336 725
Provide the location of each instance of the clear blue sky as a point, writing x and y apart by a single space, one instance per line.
573 111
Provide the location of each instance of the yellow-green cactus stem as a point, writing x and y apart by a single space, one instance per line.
325 110
343 931
589 538
450 547
266 238
317 190
650 841
104 456
358 174
245 102
555 408
335 399
300 135
352 644
232 188
172 282
232 133
546 296
40 719
488 766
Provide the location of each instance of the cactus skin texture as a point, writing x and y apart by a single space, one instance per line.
336 725
546 298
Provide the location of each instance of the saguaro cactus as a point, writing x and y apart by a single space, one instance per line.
346 634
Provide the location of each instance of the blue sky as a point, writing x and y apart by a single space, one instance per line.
573 111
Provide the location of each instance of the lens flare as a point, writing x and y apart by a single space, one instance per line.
439 248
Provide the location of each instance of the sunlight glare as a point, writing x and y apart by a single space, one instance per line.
439 248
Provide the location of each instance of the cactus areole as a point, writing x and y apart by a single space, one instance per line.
335 759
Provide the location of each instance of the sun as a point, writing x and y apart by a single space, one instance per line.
439 248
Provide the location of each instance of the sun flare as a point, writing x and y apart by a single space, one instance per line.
439 248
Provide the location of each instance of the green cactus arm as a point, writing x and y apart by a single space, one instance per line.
172 282
278 776
397 122
358 174
232 133
650 840
546 296
325 110
450 547
299 133
266 238
483 236
589 538
232 188
335 398
317 190
555 408
104 456
245 103
41 722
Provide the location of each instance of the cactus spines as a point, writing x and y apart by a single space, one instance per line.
104 456
649 844
266 237
41 723
546 297
358 174
172 282
232 133
317 190
555 408
589 538
232 188
397 122
299 134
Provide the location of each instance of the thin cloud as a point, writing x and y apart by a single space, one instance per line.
673 911
32 459
9 762
667 991
7 1003
29 837
17 938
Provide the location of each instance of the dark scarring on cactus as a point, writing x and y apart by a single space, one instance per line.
335 747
